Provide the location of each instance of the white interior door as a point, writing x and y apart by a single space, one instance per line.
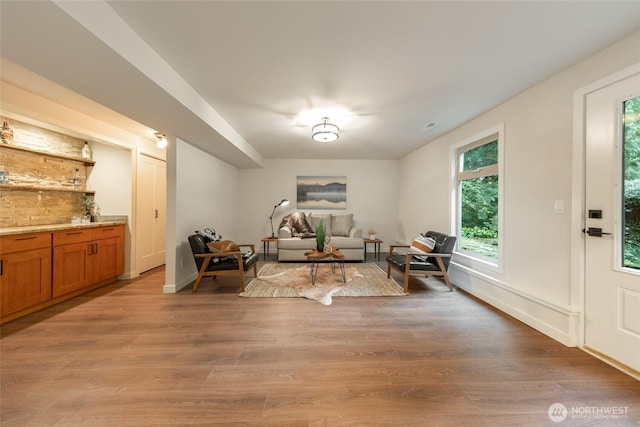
151 212
612 290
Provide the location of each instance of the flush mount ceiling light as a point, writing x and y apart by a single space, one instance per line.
162 140
325 131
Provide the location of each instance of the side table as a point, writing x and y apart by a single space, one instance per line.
376 247
266 243
315 257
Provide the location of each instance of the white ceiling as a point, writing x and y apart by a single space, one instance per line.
396 66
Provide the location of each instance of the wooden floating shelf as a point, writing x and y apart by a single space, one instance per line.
36 188
86 162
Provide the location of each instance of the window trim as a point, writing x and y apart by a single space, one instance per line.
464 257
618 223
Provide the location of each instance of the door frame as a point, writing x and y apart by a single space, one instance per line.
578 197
136 205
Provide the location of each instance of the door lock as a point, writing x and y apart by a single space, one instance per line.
595 232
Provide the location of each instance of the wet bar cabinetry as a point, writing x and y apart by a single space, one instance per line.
41 269
86 257
25 271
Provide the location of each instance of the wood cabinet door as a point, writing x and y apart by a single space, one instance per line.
25 279
106 259
71 267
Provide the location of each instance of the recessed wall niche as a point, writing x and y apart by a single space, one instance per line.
46 176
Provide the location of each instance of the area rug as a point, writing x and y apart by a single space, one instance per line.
282 280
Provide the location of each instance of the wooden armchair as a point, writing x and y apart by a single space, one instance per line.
436 263
220 263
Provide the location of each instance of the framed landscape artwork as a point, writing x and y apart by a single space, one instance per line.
321 192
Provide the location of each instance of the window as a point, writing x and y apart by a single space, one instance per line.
478 198
631 184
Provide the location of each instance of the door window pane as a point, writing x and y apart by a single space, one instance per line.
631 183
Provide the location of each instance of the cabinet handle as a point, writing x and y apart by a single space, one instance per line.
156 213
96 250
75 232
1 267
90 249
26 238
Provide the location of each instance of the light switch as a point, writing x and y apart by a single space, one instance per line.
558 206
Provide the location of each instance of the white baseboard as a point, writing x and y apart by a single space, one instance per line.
172 289
128 275
558 322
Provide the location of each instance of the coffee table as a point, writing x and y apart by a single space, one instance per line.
315 257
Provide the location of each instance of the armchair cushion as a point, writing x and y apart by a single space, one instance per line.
416 263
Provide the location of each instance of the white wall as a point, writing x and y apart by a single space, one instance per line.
207 194
372 187
111 178
535 285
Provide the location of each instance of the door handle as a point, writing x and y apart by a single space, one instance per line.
595 232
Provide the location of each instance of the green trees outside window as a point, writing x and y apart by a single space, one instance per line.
631 183
478 191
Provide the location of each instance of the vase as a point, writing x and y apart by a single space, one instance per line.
319 247
6 133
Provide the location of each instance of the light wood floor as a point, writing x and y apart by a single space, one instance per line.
128 355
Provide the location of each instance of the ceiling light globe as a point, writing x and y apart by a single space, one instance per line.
325 132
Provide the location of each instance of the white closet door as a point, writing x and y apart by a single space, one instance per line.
151 212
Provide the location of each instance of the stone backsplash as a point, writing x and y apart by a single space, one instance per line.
40 188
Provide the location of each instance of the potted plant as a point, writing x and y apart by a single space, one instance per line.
91 209
372 233
320 236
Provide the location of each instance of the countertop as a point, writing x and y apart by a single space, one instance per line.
106 220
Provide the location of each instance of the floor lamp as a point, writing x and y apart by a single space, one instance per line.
283 202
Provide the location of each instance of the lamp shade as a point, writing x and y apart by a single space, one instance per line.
325 131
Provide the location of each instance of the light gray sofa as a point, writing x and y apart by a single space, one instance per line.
344 236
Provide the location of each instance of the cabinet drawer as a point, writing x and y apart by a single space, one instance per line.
72 236
24 242
108 231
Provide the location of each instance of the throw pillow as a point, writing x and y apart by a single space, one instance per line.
223 246
326 220
422 245
341 225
